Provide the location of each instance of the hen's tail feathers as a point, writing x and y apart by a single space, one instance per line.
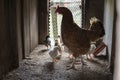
97 27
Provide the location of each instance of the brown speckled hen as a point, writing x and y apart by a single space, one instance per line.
78 40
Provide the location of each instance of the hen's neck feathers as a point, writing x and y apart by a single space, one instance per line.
67 16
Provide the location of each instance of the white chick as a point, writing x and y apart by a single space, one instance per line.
55 52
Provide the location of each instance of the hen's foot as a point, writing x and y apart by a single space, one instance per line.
71 67
89 59
84 63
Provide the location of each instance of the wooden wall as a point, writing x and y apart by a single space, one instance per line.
8 37
18 32
30 25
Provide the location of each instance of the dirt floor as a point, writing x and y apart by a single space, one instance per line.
39 66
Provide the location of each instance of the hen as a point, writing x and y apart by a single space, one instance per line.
78 40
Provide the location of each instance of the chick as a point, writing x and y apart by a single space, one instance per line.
55 52
47 41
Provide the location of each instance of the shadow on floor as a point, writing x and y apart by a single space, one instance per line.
49 66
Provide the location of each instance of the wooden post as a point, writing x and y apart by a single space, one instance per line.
117 54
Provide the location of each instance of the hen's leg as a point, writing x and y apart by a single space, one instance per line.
82 60
89 57
70 56
72 66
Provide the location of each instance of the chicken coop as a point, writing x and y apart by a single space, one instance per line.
86 51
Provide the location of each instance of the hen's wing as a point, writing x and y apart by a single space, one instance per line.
78 37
